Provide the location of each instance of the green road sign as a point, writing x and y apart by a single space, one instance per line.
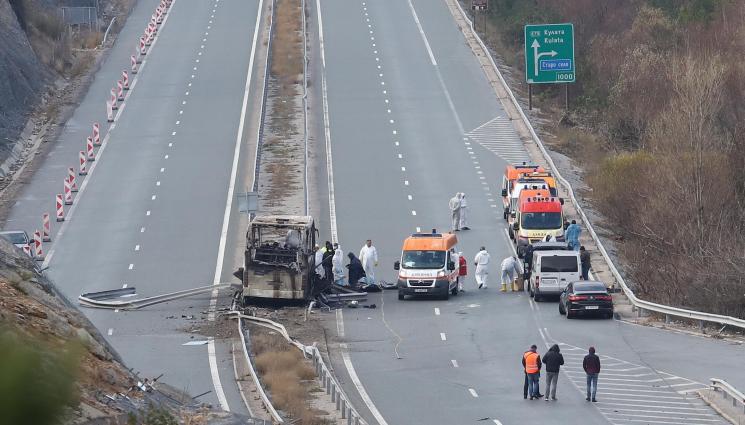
549 53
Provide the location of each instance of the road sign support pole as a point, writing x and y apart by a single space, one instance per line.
566 97
530 97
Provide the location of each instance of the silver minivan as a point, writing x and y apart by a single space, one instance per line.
552 271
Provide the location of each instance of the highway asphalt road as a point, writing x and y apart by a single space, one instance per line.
404 93
152 212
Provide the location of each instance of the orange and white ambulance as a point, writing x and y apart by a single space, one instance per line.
511 174
536 218
426 266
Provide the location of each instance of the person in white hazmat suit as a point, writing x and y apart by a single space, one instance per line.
510 271
320 273
454 205
463 212
482 264
337 266
369 259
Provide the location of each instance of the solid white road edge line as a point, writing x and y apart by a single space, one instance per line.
212 356
437 70
332 222
360 388
340 323
421 32
226 217
327 132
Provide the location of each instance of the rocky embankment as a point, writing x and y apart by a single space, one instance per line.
56 367
22 77
54 360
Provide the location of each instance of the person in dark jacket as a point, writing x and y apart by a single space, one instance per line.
584 259
528 262
553 361
591 365
356 271
328 255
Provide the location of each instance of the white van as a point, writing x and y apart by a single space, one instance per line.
552 271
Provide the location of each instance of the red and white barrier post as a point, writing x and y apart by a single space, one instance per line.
38 253
27 250
119 90
96 134
83 164
158 16
148 36
90 153
71 179
60 208
109 112
125 80
112 99
68 192
143 48
153 22
46 228
133 60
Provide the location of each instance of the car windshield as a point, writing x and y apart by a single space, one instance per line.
559 263
589 287
541 220
423 259
15 237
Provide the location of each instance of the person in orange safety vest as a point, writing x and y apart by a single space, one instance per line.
532 368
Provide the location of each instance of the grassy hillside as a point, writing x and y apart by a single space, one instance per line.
658 124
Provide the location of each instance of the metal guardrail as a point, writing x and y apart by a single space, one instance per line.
264 94
305 107
640 304
729 391
324 373
106 34
103 299
264 398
